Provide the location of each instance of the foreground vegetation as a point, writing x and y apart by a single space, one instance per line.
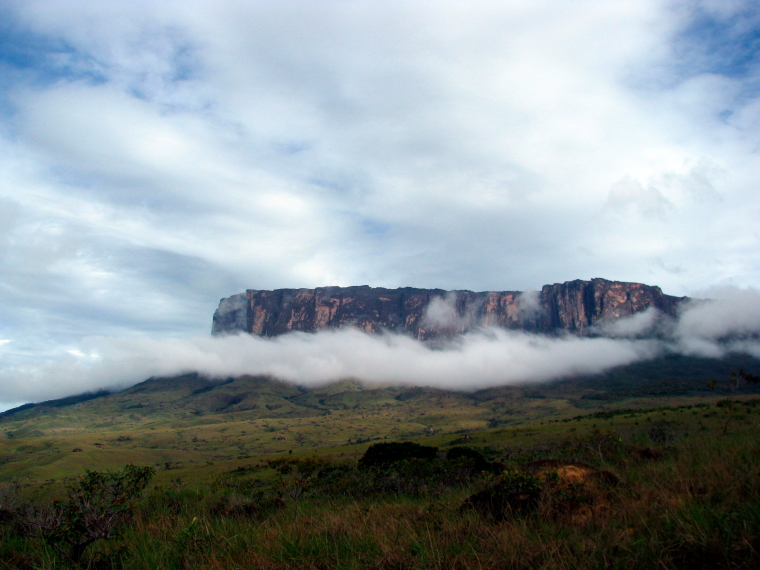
671 487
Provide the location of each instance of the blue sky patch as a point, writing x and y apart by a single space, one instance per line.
44 60
728 46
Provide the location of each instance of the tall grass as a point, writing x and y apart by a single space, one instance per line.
696 507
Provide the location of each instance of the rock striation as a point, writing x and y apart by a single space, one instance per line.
576 307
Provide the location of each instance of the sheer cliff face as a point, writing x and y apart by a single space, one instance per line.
574 307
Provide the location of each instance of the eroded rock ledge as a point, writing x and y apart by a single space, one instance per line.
574 307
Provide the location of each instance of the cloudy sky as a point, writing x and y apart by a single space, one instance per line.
157 156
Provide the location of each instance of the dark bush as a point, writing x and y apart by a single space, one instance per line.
478 461
384 454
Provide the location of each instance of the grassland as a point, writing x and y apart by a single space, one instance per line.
688 494
693 504
192 421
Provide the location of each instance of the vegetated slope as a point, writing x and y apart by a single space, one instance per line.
636 489
672 375
183 397
196 399
193 400
191 419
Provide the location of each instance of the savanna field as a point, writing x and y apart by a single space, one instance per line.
668 482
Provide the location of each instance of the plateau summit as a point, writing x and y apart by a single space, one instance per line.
576 307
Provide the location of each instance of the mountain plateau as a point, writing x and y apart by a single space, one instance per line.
575 307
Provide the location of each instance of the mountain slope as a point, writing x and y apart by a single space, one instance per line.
194 400
190 419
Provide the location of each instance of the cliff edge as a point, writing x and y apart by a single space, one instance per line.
574 306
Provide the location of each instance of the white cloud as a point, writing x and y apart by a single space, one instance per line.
529 304
728 312
478 359
628 193
644 324
156 156
443 314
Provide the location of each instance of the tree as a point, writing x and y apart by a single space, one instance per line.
96 507
735 380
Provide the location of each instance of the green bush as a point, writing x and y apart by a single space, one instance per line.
384 454
95 508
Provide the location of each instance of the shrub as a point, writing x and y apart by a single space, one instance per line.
476 459
384 454
515 492
296 475
97 506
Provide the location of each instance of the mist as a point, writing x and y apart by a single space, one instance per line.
729 322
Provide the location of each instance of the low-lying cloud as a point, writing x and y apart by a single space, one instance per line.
641 324
730 322
442 314
479 359
734 312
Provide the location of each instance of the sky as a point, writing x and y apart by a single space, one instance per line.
158 156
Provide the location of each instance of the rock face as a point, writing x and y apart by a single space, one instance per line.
574 307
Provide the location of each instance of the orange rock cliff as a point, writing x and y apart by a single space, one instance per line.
575 307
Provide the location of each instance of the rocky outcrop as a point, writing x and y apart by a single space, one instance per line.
575 307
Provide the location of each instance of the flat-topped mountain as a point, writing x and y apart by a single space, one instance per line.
574 307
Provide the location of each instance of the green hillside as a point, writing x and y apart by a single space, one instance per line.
191 420
663 487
